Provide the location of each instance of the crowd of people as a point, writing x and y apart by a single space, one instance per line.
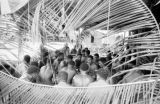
73 68
77 67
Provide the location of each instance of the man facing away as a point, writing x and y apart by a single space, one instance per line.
62 79
82 79
101 79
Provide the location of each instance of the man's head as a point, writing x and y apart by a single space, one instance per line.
62 76
57 53
87 53
84 67
83 52
71 64
79 56
90 59
86 49
27 59
102 74
96 56
69 58
102 62
60 56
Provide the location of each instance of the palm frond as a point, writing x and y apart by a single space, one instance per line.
142 92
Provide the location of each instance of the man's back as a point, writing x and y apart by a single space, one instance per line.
98 83
81 80
62 84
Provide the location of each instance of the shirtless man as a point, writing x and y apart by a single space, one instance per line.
62 80
82 79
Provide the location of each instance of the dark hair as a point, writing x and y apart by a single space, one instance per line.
79 54
60 54
77 63
70 57
45 60
6 66
88 52
63 76
83 51
40 64
34 63
114 55
71 63
57 53
90 56
27 58
102 73
45 54
96 54
86 49
103 60
84 67
33 69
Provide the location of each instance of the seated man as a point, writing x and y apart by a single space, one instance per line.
62 79
101 79
82 79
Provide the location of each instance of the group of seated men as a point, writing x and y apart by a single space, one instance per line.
81 70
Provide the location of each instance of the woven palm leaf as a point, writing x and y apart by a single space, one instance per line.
15 91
